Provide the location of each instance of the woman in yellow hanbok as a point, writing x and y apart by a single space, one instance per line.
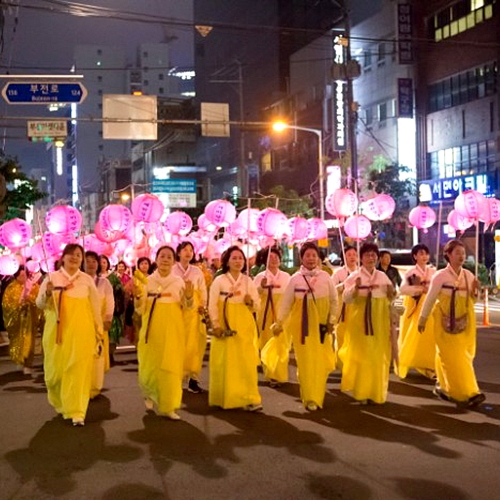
73 334
271 285
195 330
450 301
307 311
21 318
234 354
162 339
105 291
342 317
139 282
366 352
416 349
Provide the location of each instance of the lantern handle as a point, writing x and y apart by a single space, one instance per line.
44 251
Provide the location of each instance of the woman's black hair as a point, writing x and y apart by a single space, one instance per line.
227 254
106 259
70 248
419 247
93 255
121 262
140 260
183 245
18 272
309 245
368 247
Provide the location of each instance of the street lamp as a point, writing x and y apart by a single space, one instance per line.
279 127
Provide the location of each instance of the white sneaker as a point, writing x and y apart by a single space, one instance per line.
149 403
311 406
256 407
171 415
27 370
78 422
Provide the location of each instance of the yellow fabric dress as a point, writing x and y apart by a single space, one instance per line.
416 350
161 345
456 352
315 359
233 360
366 353
194 328
21 321
70 346
366 358
274 350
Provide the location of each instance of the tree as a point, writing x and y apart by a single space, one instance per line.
289 202
390 178
17 191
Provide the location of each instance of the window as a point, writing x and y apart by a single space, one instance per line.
160 76
367 61
368 116
381 53
160 90
145 54
99 78
462 15
382 111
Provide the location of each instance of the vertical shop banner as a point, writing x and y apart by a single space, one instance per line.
405 98
405 30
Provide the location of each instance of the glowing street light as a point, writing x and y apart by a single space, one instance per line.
279 126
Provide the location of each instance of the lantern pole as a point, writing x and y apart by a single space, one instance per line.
477 247
438 235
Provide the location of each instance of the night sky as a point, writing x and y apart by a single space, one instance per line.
42 42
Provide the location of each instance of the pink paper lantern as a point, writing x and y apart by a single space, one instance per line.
459 222
221 246
236 229
248 219
33 266
470 204
422 217
357 227
147 208
49 265
106 235
15 233
178 223
115 218
273 223
341 203
205 225
54 243
91 242
491 211
63 219
379 208
220 212
9 265
37 251
317 229
299 228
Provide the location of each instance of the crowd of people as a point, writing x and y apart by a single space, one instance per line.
345 321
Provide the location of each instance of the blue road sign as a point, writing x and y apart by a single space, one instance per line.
44 92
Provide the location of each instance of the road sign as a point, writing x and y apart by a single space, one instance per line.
44 92
47 128
179 193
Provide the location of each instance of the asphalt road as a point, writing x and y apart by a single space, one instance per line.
413 447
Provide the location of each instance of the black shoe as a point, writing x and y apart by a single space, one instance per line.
194 386
440 394
476 400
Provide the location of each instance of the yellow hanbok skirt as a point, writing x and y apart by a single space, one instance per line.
366 358
68 366
315 360
234 360
196 339
416 350
161 358
456 352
